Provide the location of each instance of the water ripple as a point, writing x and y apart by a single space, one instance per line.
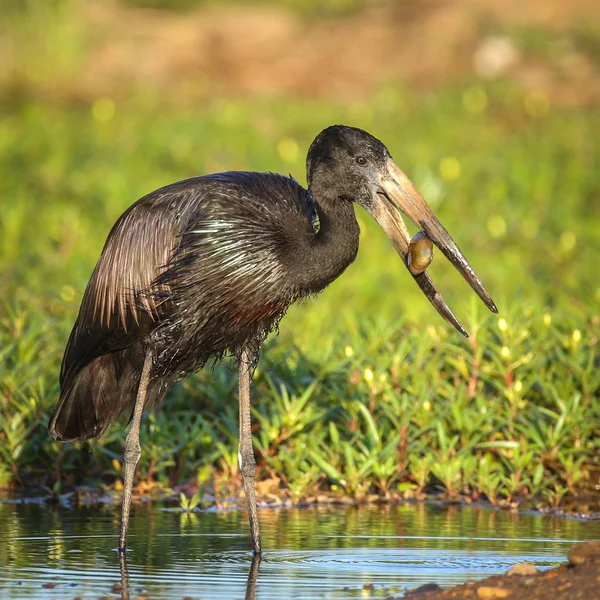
311 554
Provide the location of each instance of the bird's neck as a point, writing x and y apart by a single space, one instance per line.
334 246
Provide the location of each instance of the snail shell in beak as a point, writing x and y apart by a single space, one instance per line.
420 253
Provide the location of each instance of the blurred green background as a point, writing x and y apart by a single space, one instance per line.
492 110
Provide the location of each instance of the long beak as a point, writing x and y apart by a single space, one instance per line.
397 192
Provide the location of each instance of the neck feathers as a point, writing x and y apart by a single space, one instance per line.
319 258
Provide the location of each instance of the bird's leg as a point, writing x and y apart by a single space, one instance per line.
132 447
246 452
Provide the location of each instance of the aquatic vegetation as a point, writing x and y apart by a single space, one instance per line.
189 504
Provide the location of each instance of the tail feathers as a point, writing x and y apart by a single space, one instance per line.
92 399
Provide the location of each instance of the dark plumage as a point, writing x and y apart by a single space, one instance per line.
209 265
195 269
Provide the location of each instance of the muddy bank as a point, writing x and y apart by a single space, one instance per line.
579 579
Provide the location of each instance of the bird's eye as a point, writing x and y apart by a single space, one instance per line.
361 160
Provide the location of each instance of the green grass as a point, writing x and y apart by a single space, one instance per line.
365 390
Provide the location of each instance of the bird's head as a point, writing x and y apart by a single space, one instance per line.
357 167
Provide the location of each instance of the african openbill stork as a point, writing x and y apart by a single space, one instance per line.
209 265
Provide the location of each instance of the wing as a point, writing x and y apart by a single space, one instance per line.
197 258
200 243
121 305
227 280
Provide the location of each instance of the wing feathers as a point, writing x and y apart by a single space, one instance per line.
136 249
191 258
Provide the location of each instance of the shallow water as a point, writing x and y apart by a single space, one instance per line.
310 553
